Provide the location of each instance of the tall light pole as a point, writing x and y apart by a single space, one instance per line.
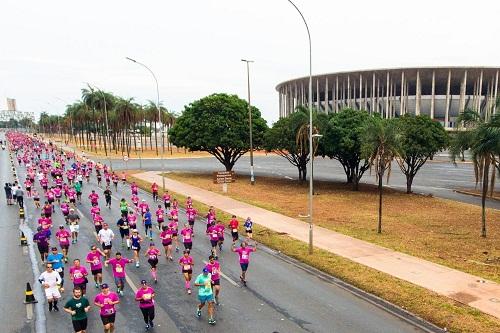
159 119
310 133
252 177
105 118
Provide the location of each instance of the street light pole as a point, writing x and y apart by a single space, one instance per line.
252 177
106 119
159 119
310 133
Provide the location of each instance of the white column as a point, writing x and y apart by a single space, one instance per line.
365 104
318 101
495 94
480 92
401 94
463 90
378 96
433 97
348 91
417 95
387 96
372 107
360 90
327 104
447 108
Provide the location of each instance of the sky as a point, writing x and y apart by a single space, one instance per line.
51 49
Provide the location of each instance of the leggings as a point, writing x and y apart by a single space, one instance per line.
148 314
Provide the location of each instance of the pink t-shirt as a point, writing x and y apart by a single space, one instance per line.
191 214
119 266
213 233
159 215
63 236
78 274
147 300
95 260
132 220
153 253
244 254
214 270
187 235
186 263
166 237
107 309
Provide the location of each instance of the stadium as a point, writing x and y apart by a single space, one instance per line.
439 92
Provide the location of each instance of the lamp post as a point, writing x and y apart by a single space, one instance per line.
106 120
252 177
159 119
310 133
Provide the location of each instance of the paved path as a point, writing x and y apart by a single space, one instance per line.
452 283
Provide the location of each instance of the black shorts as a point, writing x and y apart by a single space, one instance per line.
188 246
244 267
106 247
214 242
43 248
64 246
234 235
72 200
96 271
216 282
108 319
80 325
167 204
167 243
108 199
82 286
191 223
248 231
153 262
124 232
188 271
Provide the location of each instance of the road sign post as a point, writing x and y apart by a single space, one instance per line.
224 177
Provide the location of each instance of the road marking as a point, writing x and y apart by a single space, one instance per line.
225 277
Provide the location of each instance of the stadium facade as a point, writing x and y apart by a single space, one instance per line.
439 92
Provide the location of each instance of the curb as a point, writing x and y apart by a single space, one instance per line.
476 195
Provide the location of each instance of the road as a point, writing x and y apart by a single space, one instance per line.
439 177
280 296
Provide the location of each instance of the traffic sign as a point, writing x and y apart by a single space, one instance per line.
224 177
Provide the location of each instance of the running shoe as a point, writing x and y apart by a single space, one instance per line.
198 313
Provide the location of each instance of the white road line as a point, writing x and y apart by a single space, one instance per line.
225 277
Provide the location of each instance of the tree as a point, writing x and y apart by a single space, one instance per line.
380 145
219 125
342 142
421 138
282 138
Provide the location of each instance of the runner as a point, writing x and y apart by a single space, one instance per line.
187 237
105 237
145 296
134 188
174 225
148 223
213 234
205 294
65 210
220 232
124 228
118 264
166 241
74 226
107 196
106 301
124 178
50 280
42 241
186 262
213 267
94 198
36 198
94 258
154 189
248 227
123 207
160 216
77 307
191 216
166 201
98 222
152 254
114 178
56 259
78 274
63 236
244 253
136 240
78 188
233 225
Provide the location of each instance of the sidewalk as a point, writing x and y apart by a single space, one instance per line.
474 291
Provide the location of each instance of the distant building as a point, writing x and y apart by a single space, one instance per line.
13 113
439 92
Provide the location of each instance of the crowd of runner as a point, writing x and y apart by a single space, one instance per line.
54 180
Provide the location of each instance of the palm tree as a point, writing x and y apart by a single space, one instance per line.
380 146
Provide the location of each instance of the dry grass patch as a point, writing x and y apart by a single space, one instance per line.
440 310
439 230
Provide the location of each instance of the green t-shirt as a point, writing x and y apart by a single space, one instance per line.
77 187
123 206
79 306
206 280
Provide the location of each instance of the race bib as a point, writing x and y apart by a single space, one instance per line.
235 230
119 269
186 267
244 256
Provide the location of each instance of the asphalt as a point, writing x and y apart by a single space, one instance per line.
439 177
280 296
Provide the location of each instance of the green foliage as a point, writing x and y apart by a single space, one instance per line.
421 138
342 142
219 125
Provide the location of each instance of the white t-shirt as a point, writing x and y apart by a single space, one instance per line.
52 278
79 177
105 236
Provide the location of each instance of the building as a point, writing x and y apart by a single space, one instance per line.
12 113
439 92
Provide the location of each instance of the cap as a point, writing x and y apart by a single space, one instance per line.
144 282
205 270
104 286
54 248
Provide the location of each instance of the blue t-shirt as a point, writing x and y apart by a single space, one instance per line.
56 260
147 218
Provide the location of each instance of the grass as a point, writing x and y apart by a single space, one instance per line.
440 310
438 230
